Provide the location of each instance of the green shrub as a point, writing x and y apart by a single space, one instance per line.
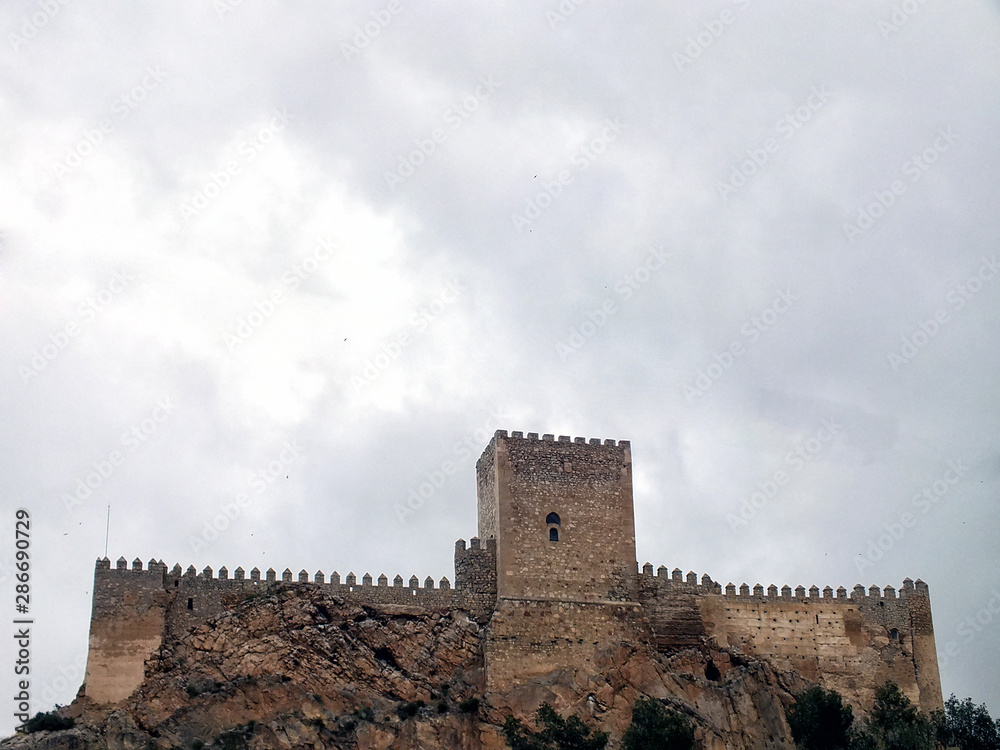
655 727
895 724
968 726
819 720
556 733
408 710
46 722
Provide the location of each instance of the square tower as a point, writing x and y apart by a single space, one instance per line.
561 514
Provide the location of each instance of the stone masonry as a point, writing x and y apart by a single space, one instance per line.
553 580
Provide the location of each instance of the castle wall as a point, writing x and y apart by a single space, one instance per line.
135 610
849 644
531 638
589 485
126 627
476 576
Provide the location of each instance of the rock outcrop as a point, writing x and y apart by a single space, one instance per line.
296 667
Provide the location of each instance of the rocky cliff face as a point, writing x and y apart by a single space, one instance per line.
294 667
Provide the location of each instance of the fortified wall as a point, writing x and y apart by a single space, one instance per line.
553 580
135 609
849 643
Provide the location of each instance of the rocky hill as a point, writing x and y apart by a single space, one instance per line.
297 667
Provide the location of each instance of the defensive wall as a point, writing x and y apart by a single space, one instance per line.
136 607
852 643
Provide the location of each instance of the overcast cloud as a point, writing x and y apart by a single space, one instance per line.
291 261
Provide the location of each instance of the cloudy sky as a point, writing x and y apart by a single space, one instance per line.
269 270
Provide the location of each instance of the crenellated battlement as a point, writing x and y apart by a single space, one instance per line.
704 584
551 438
269 576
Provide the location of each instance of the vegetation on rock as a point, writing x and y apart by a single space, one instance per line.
656 727
819 720
556 733
50 721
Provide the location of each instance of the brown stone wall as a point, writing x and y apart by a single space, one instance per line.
135 609
589 485
486 491
528 639
476 576
847 644
126 626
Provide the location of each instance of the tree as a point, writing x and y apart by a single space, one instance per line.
655 727
894 724
556 733
967 726
819 720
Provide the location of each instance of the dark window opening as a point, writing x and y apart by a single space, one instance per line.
553 535
553 518
175 583
894 634
190 603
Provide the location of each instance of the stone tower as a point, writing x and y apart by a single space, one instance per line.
561 515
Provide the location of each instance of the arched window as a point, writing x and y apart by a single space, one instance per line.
894 634
553 534
552 518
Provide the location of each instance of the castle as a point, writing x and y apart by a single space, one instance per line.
551 577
